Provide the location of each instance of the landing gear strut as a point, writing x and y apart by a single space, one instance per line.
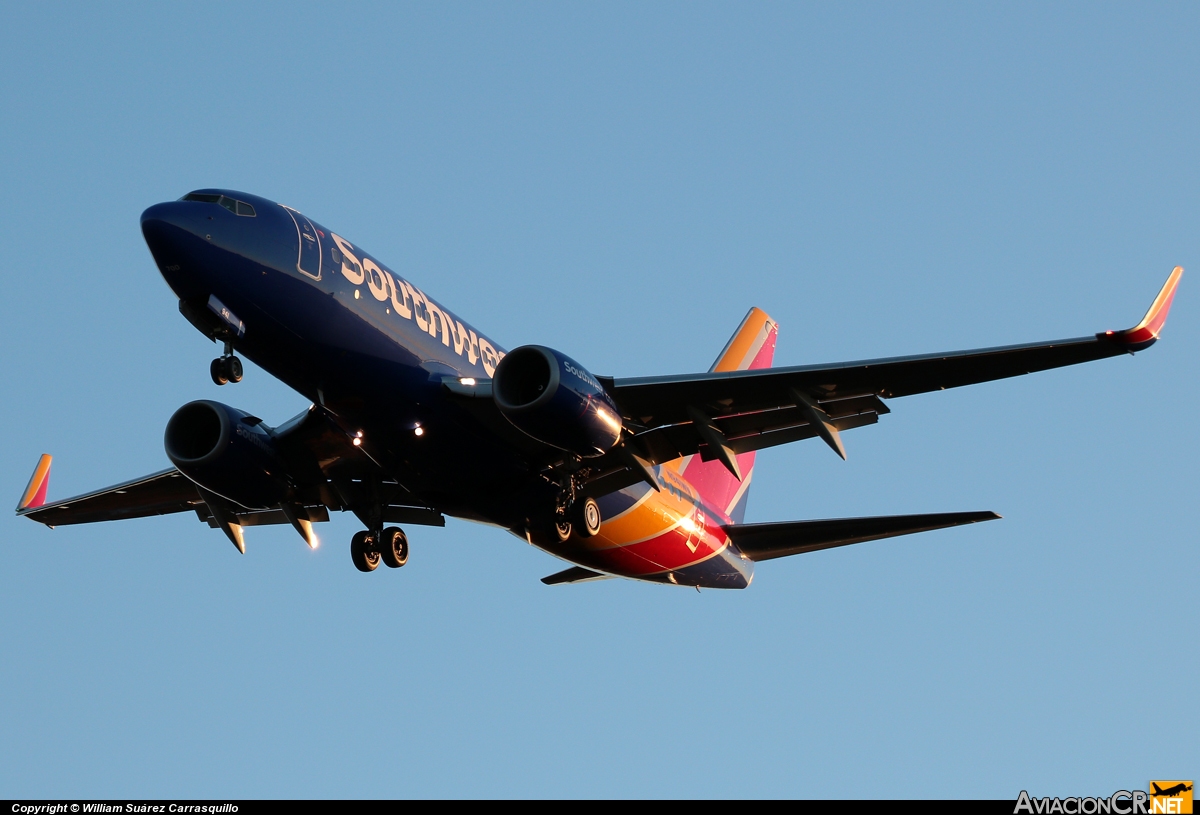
390 545
226 368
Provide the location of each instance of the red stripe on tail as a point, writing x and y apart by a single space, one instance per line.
752 347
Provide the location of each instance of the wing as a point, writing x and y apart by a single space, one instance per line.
159 494
657 401
718 415
329 471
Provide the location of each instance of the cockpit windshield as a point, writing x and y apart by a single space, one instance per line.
233 205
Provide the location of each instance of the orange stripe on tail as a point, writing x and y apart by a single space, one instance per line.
35 493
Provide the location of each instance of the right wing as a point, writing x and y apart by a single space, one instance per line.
159 494
331 474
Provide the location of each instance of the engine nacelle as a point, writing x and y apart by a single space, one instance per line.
227 451
552 398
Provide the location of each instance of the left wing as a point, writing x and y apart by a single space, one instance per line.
718 415
657 401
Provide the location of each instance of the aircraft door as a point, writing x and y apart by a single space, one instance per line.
308 260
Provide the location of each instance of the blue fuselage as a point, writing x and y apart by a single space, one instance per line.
377 353
350 334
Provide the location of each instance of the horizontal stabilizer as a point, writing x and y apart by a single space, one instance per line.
575 574
772 540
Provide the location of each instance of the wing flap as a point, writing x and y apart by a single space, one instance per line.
755 431
772 540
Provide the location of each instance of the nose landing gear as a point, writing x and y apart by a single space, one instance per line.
226 368
390 546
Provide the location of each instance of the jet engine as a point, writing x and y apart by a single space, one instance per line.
227 451
553 398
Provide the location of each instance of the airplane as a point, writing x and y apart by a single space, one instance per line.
417 415
1170 792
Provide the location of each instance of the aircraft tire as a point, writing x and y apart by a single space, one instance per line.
562 529
395 547
233 369
217 371
586 517
366 559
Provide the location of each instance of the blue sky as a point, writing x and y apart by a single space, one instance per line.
622 182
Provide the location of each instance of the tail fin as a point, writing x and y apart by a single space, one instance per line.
35 493
752 346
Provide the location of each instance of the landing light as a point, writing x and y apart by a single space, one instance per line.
356 442
418 431
467 380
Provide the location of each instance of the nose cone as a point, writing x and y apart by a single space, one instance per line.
163 225
174 232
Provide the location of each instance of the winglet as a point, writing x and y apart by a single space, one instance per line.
35 493
1146 332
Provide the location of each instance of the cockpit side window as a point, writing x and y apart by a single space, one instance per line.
231 204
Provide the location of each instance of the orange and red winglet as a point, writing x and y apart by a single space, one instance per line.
1146 332
35 493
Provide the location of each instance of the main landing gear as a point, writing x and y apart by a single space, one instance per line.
367 549
226 368
581 516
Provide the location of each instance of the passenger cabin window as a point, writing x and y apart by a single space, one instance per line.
234 206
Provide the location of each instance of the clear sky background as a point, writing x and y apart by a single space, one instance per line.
622 182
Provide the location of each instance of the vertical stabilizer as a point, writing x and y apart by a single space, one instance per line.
751 347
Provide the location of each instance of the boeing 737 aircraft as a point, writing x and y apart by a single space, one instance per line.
417 415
